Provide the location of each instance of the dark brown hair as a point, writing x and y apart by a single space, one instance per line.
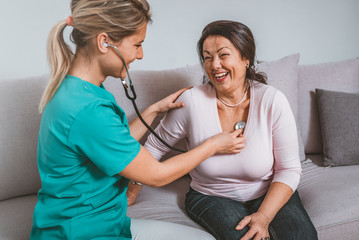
241 37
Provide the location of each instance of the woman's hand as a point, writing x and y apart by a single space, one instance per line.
229 142
169 102
258 226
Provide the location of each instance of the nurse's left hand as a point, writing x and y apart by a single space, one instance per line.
169 102
132 193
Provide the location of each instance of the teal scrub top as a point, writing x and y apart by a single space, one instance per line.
84 142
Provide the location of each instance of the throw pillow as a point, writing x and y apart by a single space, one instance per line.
283 75
342 76
338 116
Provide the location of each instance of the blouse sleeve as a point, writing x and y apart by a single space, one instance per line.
172 128
101 133
287 168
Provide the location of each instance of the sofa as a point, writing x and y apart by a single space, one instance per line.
329 186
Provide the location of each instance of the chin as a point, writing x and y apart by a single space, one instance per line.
118 75
121 75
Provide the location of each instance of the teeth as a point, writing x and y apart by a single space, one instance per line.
219 75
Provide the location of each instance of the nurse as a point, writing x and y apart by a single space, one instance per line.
87 151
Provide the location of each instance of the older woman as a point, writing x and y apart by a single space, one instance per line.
251 194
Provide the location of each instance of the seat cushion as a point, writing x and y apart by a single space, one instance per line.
16 217
165 203
331 195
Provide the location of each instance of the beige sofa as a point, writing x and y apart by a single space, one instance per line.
330 194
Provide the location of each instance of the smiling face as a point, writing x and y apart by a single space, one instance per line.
131 49
224 64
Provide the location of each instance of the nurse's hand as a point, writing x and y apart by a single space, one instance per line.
169 102
132 192
230 143
149 114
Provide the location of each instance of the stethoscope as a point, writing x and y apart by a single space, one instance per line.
238 125
133 98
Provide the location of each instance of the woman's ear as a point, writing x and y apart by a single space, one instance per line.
246 62
101 41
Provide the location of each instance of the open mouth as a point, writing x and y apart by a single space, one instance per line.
221 76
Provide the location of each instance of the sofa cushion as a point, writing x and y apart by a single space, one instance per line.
336 76
339 116
16 217
165 203
331 195
20 122
283 75
331 205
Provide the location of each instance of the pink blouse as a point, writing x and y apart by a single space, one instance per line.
271 151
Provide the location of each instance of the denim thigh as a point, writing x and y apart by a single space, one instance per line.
220 216
291 222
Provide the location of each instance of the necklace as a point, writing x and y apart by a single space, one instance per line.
234 105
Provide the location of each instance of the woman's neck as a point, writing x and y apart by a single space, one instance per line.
235 96
86 69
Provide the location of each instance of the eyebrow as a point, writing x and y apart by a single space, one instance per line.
205 51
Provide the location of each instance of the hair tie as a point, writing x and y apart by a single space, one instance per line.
69 21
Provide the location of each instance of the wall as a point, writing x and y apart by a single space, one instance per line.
320 30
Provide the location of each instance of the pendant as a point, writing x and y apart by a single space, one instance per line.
240 125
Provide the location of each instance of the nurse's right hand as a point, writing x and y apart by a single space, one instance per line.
229 142
169 102
144 168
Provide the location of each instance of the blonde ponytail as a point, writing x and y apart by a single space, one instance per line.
59 56
117 18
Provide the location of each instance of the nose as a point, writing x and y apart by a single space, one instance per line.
139 53
216 64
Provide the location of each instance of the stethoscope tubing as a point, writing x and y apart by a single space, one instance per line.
133 98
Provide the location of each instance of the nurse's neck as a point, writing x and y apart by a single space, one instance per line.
86 69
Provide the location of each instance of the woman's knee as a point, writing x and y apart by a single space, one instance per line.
217 215
293 222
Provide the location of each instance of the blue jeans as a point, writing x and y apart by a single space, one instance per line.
219 216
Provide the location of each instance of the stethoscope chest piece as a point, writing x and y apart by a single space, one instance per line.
240 125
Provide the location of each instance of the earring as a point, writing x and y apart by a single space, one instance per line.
247 65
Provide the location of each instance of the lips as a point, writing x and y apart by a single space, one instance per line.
221 76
